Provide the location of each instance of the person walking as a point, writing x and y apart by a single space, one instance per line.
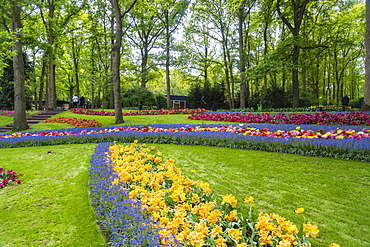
74 101
82 101
345 101
202 103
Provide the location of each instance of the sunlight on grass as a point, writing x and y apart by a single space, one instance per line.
4 120
333 192
51 207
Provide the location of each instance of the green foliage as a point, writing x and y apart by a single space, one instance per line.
275 97
307 99
7 96
7 85
6 42
214 96
161 100
136 96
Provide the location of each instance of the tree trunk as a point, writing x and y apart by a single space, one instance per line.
227 77
144 64
298 8
42 83
20 120
75 65
226 65
206 65
265 52
111 87
168 80
51 103
116 64
295 79
366 103
241 58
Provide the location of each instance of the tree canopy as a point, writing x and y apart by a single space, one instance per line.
313 52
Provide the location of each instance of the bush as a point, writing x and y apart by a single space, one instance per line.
214 97
134 97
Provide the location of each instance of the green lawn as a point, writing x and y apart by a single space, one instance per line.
334 193
4 120
51 207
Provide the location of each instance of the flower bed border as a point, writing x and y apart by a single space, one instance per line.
123 221
345 149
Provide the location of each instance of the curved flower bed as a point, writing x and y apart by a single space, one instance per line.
298 132
134 113
182 212
348 118
353 147
76 122
123 220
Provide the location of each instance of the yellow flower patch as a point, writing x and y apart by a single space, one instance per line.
187 210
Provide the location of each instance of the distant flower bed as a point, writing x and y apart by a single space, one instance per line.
348 118
7 113
134 113
348 142
298 132
8 177
296 109
76 122
182 212
324 107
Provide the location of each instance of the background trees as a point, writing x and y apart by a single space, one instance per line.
307 52
366 105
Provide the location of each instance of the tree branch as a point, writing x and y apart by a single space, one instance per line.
285 20
129 9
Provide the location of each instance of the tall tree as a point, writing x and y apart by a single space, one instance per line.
243 10
59 14
366 103
101 39
174 11
20 120
145 28
116 58
49 22
221 18
199 57
298 8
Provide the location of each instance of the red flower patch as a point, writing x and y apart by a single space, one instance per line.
76 122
